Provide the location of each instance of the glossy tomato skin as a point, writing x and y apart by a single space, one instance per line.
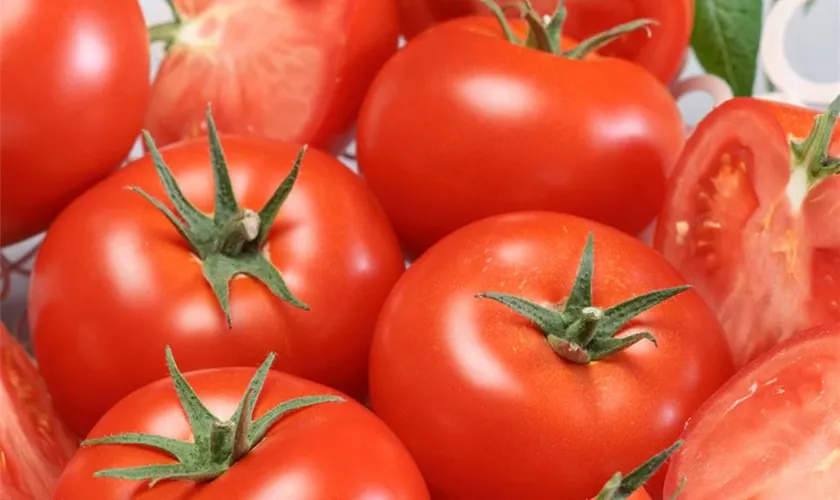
523 130
662 53
747 233
75 88
286 70
34 444
331 450
114 282
771 432
486 407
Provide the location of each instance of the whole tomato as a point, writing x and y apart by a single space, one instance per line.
116 280
285 438
463 124
34 444
286 70
508 374
771 432
662 52
75 88
750 220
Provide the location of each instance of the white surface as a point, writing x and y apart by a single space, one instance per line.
812 45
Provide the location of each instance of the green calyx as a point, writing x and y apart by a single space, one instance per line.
580 332
621 487
230 242
812 153
545 33
167 32
217 444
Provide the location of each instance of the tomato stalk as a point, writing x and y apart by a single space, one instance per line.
580 332
217 444
545 33
621 487
812 153
231 242
167 32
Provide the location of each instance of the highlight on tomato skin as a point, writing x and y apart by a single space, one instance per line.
770 433
749 220
34 444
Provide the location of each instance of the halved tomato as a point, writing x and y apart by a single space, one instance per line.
772 432
286 70
750 220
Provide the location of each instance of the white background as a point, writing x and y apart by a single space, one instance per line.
813 47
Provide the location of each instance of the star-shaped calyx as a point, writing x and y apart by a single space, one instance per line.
545 33
578 331
230 242
620 487
217 444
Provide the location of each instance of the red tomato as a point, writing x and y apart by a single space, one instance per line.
115 281
75 87
477 392
333 449
662 53
746 225
34 444
771 433
286 70
462 124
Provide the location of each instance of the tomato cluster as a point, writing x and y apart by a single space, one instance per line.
230 315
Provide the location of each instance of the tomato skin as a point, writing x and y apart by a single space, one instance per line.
733 228
34 444
103 310
332 450
662 53
74 92
301 69
771 432
524 130
485 406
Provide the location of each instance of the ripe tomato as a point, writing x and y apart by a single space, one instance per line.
115 281
34 444
662 53
462 124
286 70
75 87
752 226
322 446
771 433
491 407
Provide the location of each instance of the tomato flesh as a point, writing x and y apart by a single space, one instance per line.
744 228
772 432
287 70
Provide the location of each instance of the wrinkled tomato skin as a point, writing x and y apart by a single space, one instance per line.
333 450
524 130
486 407
34 444
662 53
771 432
114 282
337 45
75 88
740 228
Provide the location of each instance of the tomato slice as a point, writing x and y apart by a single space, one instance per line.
772 432
34 444
744 227
285 70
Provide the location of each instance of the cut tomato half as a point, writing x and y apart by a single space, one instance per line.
772 432
276 68
752 225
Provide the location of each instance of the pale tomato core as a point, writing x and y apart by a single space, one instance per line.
266 65
773 434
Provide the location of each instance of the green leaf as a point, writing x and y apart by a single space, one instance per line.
726 37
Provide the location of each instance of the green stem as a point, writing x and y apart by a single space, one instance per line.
812 153
621 487
601 40
165 32
221 441
243 228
